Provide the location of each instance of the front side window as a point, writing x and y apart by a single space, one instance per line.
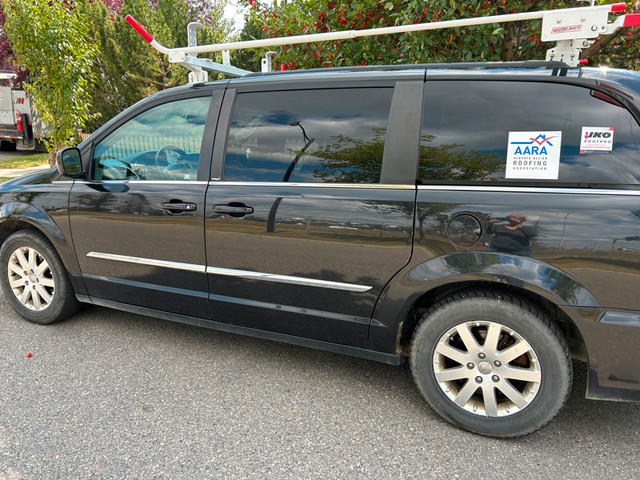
162 143
476 131
325 135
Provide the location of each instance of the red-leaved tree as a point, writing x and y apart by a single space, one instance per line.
7 59
506 41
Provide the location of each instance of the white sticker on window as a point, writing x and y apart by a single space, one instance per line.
534 155
598 139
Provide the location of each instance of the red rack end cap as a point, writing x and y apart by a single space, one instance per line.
139 28
632 20
584 61
618 7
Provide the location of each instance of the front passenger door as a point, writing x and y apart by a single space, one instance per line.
137 221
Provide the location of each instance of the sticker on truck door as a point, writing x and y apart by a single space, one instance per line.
533 155
596 139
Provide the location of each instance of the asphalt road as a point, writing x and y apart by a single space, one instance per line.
113 395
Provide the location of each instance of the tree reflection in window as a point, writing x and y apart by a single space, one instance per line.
450 162
325 135
351 160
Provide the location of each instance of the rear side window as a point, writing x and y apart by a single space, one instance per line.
324 135
519 132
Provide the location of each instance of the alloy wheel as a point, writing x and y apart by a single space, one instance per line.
487 369
31 278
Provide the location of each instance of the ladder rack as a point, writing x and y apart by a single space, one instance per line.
571 28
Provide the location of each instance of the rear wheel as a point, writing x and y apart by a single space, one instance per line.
491 363
34 280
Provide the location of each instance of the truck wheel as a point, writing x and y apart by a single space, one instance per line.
491 363
33 279
7 146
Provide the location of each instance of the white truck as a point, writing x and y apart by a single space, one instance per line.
18 127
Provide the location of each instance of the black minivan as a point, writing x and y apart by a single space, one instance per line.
481 220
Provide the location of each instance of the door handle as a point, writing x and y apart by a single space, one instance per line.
233 210
179 207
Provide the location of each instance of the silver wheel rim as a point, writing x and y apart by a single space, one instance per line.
487 369
31 278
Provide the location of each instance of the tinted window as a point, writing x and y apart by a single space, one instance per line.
468 128
332 135
162 143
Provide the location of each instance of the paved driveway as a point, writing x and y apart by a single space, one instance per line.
113 395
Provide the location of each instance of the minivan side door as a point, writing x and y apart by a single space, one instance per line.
138 219
301 235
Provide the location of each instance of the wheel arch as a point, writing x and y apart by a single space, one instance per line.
576 342
419 287
21 216
16 216
10 226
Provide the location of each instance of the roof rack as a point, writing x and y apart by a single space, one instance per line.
571 28
556 68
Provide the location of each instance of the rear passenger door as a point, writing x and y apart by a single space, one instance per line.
301 235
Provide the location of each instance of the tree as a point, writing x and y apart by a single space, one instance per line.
507 41
47 37
248 59
449 162
7 59
126 68
311 16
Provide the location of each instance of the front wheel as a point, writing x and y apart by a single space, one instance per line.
491 363
34 280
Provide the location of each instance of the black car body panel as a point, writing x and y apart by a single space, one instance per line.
324 239
306 244
40 201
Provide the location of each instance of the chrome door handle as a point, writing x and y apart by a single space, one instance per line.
233 209
182 207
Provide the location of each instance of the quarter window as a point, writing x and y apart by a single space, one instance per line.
325 135
466 127
162 143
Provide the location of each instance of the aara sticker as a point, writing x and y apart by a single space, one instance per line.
534 155
596 139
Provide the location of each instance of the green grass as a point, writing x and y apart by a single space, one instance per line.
25 161
4 179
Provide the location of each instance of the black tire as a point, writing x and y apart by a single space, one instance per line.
464 365
34 280
7 146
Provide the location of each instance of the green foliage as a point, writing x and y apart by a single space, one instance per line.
88 64
351 160
448 162
310 16
248 59
506 41
622 49
127 69
48 38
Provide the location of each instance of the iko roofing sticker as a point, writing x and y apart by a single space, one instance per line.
534 155
596 139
